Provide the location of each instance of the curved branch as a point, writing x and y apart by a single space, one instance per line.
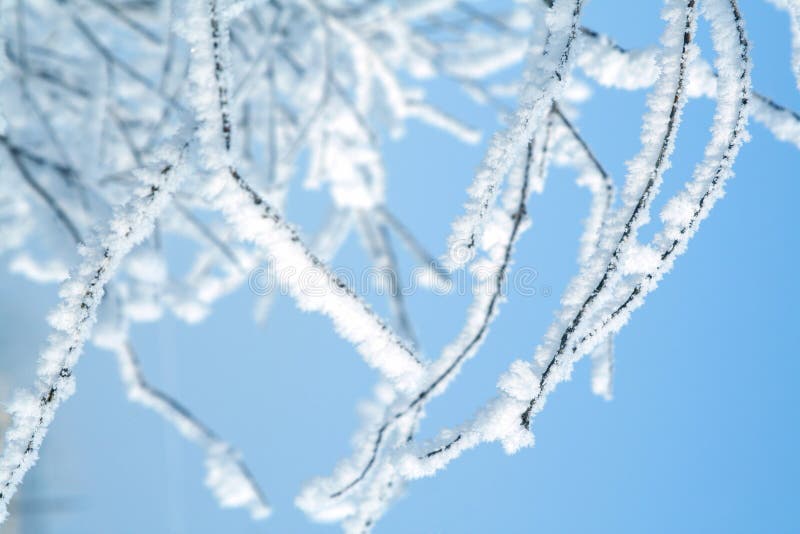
227 475
657 162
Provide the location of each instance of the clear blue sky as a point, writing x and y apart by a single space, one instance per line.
702 435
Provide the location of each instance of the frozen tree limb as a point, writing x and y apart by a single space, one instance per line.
496 420
259 222
645 176
611 65
226 474
545 82
32 413
362 488
594 177
521 387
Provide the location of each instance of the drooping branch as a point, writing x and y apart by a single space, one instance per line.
494 422
686 210
226 475
649 167
402 414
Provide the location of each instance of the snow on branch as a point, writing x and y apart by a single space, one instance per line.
507 419
646 172
545 81
613 66
497 420
226 474
257 221
362 487
684 212
72 321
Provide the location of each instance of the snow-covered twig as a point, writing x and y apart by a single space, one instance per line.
684 212
612 65
226 474
73 321
311 283
644 179
363 487
497 420
507 418
545 81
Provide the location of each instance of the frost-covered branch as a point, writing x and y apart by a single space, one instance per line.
226 475
496 420
32 413
362 487
545 81
644 179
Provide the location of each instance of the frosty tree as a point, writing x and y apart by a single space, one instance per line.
127 120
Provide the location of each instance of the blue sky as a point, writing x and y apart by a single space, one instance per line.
701 436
